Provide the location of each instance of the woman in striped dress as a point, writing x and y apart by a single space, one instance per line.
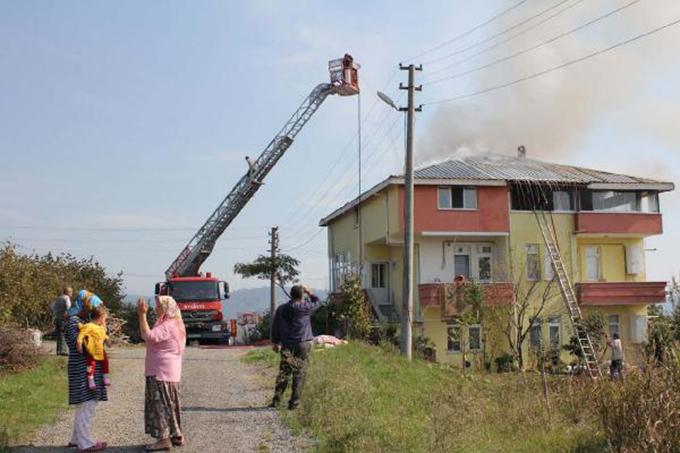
79 394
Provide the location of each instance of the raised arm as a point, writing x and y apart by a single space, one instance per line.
142 309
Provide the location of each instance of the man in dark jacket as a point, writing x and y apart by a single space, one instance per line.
59 307
292 336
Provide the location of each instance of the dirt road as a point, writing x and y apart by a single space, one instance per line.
224 408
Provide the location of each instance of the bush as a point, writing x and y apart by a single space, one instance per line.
17 351
28 283
355 310
641 413
504 363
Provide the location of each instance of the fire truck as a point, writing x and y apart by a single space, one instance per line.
198 295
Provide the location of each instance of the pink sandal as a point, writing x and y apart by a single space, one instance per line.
99 446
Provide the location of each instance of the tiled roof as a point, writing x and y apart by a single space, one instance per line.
521 169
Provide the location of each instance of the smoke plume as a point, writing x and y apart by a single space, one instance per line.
557 114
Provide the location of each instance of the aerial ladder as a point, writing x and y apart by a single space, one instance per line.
198 295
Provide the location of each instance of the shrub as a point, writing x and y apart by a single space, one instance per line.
504 363
355 310
17 351
641 413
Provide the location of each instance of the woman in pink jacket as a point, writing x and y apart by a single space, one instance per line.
163 371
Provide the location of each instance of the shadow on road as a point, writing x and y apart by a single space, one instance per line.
226 409
112 448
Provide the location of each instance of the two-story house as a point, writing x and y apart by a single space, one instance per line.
475 217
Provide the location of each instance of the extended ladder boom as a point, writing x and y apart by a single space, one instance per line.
344 82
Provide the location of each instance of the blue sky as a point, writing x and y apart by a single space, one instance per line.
123 125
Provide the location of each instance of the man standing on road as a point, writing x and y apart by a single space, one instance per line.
60 306
292 336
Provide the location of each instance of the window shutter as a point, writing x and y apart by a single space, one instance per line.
633 259
638 328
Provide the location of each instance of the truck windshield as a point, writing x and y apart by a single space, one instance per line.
187 291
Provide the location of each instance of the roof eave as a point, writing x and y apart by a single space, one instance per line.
656 186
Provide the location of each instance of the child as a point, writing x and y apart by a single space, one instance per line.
93 335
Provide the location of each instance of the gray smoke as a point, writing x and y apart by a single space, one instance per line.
555 114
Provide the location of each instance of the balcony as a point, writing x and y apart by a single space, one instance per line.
634 223
432 295
621 293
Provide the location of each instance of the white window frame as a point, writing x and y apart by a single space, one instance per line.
539 325
382 278
614 320
459 338
555 322
598 256
529 251
479 253
481 345
466 191
570 196
474 251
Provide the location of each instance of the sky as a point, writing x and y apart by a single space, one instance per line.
124 124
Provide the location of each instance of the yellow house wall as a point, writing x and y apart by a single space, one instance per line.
612 258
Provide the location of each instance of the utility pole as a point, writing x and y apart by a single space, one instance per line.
274 243
407 296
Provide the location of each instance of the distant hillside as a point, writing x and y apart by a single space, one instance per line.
247 299
254 299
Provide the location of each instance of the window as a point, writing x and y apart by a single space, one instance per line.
533 266
378 275
548 271
649 202
614 325
475 337
461 262
541 197
456 197
593 264
484 253
554 332
535 339
614 201
453 338
562 201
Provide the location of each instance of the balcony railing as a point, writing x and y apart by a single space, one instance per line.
621 293
645 224
433 295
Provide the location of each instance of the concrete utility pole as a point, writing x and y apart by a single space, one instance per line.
407 297
274 242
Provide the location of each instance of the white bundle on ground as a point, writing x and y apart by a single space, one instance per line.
328 341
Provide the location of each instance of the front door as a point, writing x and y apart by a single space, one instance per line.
379 287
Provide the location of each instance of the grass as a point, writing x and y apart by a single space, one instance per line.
364 398
30 399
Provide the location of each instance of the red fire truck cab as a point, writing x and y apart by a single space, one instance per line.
200 300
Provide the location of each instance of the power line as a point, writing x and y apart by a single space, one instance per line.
555 68
500 33
304 243
537 46
500 43
469 31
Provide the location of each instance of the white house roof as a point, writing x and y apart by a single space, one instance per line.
494 169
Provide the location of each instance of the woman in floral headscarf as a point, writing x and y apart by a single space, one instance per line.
163 371
79 394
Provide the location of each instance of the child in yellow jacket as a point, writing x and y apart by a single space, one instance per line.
93 335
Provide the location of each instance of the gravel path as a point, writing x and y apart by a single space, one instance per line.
224 407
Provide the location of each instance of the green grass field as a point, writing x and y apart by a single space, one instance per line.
31 399
364 398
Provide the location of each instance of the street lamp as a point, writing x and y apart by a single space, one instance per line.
407 294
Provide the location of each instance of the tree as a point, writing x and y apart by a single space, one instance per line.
355 310
283 266
29 282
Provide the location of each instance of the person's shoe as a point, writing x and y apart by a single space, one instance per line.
99 446
274 404
161 445
71 445
293 406
90 383
177 441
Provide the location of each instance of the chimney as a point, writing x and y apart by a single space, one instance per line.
521 152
